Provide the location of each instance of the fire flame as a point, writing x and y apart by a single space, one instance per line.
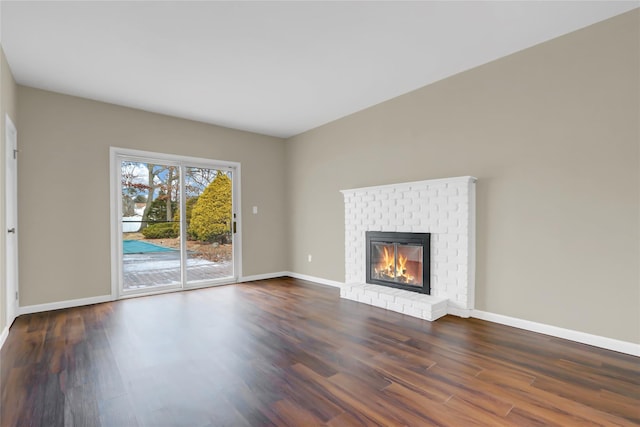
386 268
387 262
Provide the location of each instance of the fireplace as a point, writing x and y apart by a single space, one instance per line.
398 260
445 208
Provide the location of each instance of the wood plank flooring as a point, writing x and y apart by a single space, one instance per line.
285 352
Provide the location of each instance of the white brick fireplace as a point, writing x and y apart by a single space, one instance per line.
443 207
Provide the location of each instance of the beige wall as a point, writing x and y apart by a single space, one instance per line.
64 188
7 106
552 133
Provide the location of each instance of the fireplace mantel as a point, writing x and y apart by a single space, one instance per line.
443 207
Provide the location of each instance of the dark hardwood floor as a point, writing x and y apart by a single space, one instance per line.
289 353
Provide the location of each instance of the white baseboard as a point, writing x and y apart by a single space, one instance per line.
28 309
4 335
460 312
555 331
315 279
262 276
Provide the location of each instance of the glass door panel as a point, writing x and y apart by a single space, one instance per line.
208 224
151 255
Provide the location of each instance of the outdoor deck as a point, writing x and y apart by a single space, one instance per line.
163 268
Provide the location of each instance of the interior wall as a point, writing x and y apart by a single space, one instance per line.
64 188
551 133
7 106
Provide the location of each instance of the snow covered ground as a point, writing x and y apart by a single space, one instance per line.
163 268
158 261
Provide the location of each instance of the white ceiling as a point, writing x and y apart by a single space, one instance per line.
276 68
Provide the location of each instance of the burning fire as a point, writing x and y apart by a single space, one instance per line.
386 270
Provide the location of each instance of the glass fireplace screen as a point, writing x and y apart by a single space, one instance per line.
397 262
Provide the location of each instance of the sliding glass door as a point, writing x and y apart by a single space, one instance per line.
176 222
209 224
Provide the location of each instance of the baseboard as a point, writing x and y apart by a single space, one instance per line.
460 312
315 279
262 276
28 309
3 336
555 331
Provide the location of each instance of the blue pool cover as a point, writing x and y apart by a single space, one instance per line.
138 247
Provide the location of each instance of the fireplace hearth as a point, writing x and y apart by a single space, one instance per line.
398 260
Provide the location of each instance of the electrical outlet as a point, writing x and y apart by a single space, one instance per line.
309 257
255 210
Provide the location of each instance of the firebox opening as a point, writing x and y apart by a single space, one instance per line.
399 260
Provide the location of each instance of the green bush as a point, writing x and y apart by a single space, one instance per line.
163 230
211 214
158 209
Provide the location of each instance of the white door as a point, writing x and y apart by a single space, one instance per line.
11 215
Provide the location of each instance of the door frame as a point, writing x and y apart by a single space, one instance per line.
116 154
11 211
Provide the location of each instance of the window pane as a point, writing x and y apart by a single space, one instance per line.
209 224
150 232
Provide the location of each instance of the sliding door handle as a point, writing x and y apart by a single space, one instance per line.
11 230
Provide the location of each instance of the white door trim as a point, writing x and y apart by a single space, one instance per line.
115 155
11 221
